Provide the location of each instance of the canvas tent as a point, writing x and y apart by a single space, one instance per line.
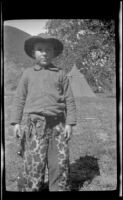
79 85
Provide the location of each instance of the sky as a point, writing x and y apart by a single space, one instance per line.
33 27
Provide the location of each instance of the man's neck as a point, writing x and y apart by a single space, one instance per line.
49 66
38 66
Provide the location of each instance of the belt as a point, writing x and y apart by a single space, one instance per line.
55 118
49 118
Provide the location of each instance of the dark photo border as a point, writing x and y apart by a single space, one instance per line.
11 10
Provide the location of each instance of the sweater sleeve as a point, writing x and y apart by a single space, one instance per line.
70 102
19 100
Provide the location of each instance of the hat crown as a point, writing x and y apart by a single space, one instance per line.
45 35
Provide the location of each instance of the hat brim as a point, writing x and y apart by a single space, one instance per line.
30 43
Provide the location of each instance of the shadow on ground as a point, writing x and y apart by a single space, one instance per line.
82 170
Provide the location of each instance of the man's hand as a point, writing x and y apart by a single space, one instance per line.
68 132
17 131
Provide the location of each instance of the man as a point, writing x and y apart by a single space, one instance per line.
45 100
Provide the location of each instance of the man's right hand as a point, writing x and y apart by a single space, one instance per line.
17 131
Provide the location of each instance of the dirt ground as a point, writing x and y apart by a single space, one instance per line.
93 150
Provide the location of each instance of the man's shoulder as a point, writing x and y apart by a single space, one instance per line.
54 68
28 70
62 72
62 75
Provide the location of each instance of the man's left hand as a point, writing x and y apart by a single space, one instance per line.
68 132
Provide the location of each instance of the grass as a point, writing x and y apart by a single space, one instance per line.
93 160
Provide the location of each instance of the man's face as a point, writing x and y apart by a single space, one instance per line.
43 53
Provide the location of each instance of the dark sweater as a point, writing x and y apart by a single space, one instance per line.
45 91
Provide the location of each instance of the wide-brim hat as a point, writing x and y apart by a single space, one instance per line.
30 43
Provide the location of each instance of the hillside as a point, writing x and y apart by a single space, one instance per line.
14 45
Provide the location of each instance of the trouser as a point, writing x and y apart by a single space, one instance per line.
43 144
